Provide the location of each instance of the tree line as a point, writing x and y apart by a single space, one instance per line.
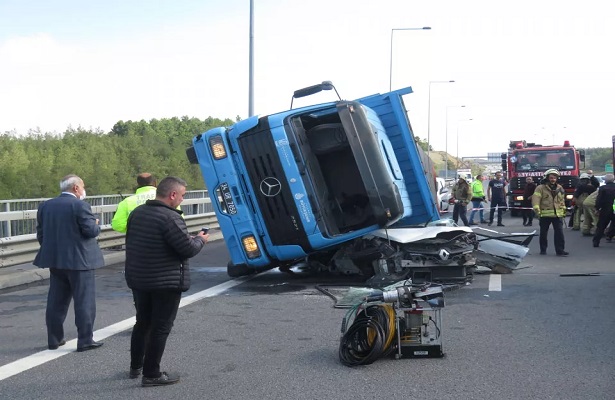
31 166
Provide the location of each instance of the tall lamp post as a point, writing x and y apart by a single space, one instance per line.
446 142
429 112
425 28
463 120
251 63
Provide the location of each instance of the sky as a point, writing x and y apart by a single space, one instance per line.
542 71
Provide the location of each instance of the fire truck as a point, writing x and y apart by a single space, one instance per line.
530 159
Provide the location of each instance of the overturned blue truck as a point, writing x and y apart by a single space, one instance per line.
326 185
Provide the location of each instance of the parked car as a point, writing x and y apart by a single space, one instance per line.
443 195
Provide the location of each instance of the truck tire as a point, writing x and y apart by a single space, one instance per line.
237 270
514 212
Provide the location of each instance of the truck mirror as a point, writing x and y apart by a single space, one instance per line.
307 91
503 156
582 155
504 166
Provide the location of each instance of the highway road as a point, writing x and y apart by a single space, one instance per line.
532 334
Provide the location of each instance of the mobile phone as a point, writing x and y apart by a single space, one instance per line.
205 230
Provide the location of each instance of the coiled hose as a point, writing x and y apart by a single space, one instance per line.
369 337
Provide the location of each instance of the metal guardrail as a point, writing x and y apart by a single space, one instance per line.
22 249
16 216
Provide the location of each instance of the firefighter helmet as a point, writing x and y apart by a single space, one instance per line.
584 175
551 171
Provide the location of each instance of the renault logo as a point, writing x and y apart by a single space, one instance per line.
270 186
444 254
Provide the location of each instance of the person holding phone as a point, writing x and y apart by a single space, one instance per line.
158 247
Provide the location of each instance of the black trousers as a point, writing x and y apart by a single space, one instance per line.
527 213
501 205
156 312
65 285
460 211
604 218
558 233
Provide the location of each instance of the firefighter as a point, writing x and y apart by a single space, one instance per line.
590 216
549 205
584 189
462 195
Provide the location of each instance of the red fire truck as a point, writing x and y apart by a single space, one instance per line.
530 159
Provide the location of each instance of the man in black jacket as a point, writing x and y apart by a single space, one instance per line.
158 246
604 206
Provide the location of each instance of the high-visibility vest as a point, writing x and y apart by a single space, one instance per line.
120 219
477 189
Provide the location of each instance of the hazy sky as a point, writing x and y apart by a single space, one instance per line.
538 70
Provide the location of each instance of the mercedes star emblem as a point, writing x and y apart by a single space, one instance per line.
270 186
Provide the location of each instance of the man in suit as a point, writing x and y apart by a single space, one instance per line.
67 230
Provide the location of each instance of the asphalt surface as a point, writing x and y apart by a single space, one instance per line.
275 336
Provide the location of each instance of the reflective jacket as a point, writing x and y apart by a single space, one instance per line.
548 203
478 192
120 219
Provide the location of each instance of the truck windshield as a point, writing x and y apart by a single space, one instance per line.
541 160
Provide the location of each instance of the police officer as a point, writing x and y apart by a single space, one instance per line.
146 190
478 196
549 205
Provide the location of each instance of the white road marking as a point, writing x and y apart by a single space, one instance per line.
44 356
495 283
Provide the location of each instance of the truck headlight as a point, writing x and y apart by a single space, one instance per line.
518 198
216 145
568 197
250 246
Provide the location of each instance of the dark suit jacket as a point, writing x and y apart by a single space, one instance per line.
67 232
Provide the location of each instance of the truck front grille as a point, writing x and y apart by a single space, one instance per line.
271 187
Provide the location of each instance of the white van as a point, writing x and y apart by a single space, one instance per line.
466 174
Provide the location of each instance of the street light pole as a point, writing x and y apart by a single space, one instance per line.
426 28
470 119
446 143
251 63
429 113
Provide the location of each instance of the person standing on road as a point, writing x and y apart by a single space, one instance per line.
590 215
496 194
146 190
478 196
584 189
526 204
158 247
66 230
604 206
549 205
462 195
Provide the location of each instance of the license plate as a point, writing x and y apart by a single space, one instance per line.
227 197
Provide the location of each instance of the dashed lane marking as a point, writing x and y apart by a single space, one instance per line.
495 283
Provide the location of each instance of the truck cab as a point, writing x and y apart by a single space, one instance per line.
292 183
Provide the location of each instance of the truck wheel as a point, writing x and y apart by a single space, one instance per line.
237 270
514 212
